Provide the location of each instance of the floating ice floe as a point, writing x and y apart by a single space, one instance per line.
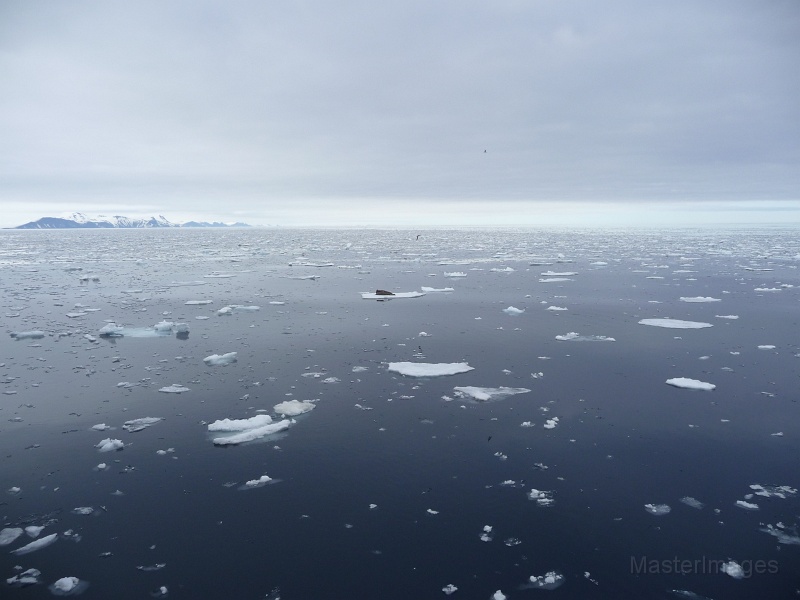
773 491
428 369
9 534
68 586
542 497
556 308
513 310
109 445
229 310
455 274
373 296
551 423
563 274
260 482
657 509
553 279
747 505
486 394
700 299
24 579
111 330
246 430
783 536
292 408
27 335
160 329
766 347
498 595
449 589
173 389
36 545
217 360
197 302
675 323
727 316
733 569
576 337
135 425
693 502
430 289
549 581
690 384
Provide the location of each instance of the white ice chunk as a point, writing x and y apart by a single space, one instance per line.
657 509
576 337
455 274
733 569
373 296
250 433
9 534
111 330
430 289
216 360
27 335
485 394
138 424
542 497
700 299
36 545
513 310
292 408
428 369
449 589
675 323
690 384
549 581
228 310
173 389
263 480
746 505
108 445
240 424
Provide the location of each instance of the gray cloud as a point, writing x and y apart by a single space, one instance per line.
195 107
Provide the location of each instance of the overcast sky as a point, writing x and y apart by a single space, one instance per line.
406 113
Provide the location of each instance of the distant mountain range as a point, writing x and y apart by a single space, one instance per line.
81 221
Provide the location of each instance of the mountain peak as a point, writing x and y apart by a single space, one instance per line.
77 220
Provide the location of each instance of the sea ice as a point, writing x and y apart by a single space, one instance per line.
485 394
229 310
135 425
9 534
27 335
542 497
430 289
556 308
733 569
292 408
28 577
513 310
108 445
746 505
498 595
690 384
197 302
373 296
784 537
693 502
455 274
727 316
111 330
549 581
769 491
700 299
449 589
551 423
675 323
428 369
260 482
657 509
246 430
553 279
173 389
36 545
216 360
576 337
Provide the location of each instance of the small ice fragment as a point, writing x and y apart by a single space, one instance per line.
28 577
27 335
675 323
700 299
216 360
693 502
766 347
733 569
36 545
498 595
449 589
292 408
746 505
135 425
690 384
551 423
173 389
432 512
484 394
549 581
512 310
428 369
34 530
263 480
542 497
657 509
9 534
107 445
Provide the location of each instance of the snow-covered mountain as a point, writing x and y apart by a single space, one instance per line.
81 221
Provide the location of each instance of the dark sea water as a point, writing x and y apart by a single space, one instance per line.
433 464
